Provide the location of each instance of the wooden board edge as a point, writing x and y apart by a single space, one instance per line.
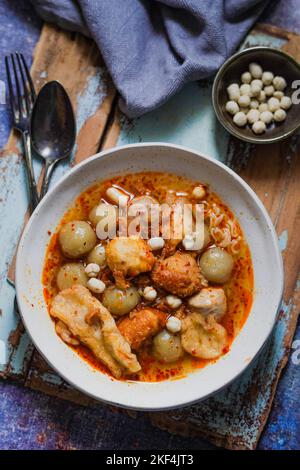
273 30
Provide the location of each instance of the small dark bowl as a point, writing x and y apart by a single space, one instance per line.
272 60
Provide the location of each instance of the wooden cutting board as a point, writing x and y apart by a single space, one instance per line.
235 417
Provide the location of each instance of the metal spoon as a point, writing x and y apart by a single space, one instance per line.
53 128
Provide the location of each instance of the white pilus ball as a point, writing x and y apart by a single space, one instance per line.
173 324
246 77
233 91
156 243
259 127
267 78
273 104
199 192
285 102
269 90
255 70
96 285
244 101
278 94
266 117
240 119
188 242
232 107
255 89
117 196
279 83
263 107
173 301
253 116
92 269
257 82
245 89
149 293
279 115
262 96
254 104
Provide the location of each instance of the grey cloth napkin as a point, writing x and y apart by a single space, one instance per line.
153 47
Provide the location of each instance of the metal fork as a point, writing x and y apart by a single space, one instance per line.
22 97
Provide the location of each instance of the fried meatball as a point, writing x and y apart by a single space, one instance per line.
141 325
128 256
178 274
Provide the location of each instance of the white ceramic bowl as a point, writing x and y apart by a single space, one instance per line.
260 236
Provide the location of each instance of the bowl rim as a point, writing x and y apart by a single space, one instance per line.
277 255
230 60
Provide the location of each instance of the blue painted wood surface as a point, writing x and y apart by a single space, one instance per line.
31 420
13 36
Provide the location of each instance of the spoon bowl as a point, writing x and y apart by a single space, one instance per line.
53 128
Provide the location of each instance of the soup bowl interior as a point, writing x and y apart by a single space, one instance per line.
260 236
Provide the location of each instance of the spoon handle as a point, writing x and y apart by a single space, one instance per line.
33 193
49 167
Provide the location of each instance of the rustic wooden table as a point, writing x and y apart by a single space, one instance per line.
234 418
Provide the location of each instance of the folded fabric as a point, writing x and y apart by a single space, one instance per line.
153 47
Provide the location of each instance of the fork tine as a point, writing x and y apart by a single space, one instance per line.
26 93
17 85
10 87
33 95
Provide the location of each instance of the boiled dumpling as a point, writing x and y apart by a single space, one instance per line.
70 274
77 238
120 301
216 265
167 347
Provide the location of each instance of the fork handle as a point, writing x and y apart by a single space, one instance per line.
33 193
